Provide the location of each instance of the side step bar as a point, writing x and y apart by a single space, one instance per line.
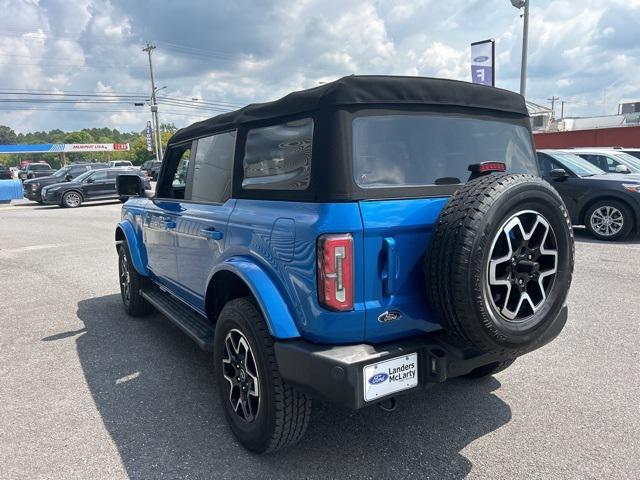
190 322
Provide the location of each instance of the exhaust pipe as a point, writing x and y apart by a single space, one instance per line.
388 405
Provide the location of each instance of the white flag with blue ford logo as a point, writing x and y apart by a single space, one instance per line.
482 62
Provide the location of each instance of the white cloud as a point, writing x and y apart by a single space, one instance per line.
248 50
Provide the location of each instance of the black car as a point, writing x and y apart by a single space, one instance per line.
92 185
152 168
32 188
36 170
5 173
608 204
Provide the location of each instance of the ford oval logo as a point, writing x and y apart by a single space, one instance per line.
378 378
481 58
389 316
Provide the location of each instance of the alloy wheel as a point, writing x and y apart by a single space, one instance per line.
125 278
72 199
241 373
522 266
607 221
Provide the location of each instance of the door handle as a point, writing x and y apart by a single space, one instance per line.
211 233
389 277
169 224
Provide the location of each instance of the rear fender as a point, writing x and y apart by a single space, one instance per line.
274 309
126 233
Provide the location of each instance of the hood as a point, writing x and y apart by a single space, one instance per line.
617 177
48 178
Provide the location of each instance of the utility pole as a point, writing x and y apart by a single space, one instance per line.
525 43
562 110
154 105
553 104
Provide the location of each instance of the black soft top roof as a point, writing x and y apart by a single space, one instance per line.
365 90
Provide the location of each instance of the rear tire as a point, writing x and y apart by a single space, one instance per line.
490 369
609 220
271 416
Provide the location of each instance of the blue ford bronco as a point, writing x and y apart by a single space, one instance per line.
351 242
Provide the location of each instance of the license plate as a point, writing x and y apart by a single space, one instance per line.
390 376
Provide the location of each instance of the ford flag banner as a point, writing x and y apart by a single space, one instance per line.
482 62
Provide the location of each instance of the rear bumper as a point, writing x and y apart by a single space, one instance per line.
335 373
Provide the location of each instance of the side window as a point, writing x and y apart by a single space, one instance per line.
279 157
174 178
111 175
611 165
212 169
545 164
99 176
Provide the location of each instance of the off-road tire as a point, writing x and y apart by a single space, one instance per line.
134 303
457 262
627 215
283 413
66 202
490 369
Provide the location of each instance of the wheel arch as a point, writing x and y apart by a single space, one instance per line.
125 233
588 204
239 277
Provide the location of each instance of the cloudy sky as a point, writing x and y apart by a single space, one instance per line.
228 53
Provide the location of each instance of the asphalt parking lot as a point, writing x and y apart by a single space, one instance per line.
87 392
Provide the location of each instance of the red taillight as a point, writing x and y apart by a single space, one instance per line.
335 271
485 167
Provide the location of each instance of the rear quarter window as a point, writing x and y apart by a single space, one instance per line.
279 157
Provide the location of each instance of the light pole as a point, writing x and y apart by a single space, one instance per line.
154 104
525 43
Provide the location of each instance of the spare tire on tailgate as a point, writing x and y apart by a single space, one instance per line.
499 265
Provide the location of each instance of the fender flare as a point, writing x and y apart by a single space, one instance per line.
134 249
274 309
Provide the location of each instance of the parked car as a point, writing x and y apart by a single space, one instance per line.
151 168
608 159
91 185
5 173
33 188
608 204
36 170
631 151
351 242
120 163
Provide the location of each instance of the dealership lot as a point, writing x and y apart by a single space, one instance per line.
87 392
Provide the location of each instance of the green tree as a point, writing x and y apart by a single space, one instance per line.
7 135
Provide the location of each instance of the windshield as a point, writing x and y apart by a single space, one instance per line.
429 149
40 166
577 165
629 160
81 177
62 172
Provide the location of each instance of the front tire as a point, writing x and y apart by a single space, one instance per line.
609 220
71 200
131 283
264 413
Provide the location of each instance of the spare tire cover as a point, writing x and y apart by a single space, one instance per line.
500 261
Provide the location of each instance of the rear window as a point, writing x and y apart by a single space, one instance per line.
427 149
279 157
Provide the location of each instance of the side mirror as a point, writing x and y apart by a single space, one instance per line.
129 185
558 173
89 180
68 177
622 169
